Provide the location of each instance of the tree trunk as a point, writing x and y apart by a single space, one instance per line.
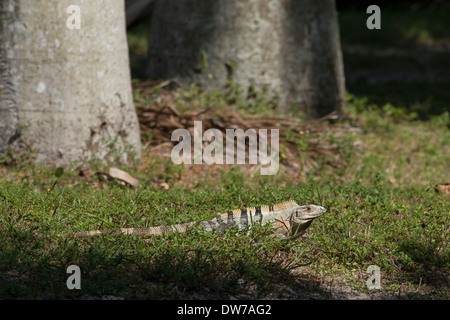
290 47
65 94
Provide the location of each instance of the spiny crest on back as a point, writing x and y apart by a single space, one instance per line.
279 206
284 205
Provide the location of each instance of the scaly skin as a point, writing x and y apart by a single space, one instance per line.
289 220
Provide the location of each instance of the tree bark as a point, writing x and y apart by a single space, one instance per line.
65 94
290 47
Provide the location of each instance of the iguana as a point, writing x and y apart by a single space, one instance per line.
289 220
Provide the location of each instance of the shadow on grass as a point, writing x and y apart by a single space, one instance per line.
33 268
421 100
33 271
425 262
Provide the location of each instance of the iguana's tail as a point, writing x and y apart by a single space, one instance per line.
150 231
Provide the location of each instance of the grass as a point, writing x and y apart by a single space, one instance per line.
192 261
383 209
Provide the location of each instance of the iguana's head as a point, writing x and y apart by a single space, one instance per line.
308 212
302 217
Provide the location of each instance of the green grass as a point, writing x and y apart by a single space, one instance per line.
194 261
402 230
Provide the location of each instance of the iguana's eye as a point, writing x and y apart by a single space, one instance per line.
308 208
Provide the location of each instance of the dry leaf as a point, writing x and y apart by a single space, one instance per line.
164 185
444 188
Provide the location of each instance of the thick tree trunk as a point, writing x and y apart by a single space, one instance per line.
66 94
291 47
